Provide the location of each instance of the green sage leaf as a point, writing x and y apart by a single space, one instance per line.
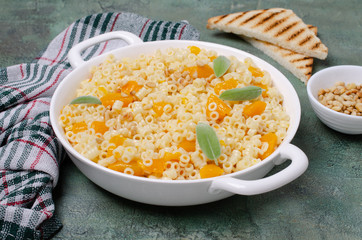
220 65
86 100
208 141
240 94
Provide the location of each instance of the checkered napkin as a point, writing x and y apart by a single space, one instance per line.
30 154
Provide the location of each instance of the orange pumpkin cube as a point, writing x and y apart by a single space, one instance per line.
255 108
272 140
157 167
201 71
120 166
79 127
210 170
110 98
226 85
195 50
189 146
131 86
99 127
117 140
158 108
221 107
265 87
256 72
172 156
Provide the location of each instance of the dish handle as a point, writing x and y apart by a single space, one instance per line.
299 163
74 55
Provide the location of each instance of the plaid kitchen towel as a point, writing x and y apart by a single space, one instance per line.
30 154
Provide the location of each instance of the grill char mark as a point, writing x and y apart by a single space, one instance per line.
305 40
294 35
300 59
252 17
306 66
286 29
221 17
268 18
316 45
290 53
275 24
236 18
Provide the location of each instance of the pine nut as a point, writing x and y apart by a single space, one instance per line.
344 98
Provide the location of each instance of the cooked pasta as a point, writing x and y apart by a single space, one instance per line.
152 104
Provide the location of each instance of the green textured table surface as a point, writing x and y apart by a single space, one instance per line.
324 203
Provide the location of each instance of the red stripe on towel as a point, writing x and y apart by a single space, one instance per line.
18 90
5 184
21 71
42 204
37 146
114 22
61 47
53 83
143 28
182 30
18 202
40 153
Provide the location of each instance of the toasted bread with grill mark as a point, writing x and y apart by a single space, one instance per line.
279 26
298 64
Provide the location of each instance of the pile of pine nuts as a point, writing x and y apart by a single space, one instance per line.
344 98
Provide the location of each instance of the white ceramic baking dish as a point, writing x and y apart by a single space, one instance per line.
180 192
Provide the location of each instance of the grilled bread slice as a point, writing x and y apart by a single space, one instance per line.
279 26
298 64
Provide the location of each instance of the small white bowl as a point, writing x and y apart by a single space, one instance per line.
326 78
